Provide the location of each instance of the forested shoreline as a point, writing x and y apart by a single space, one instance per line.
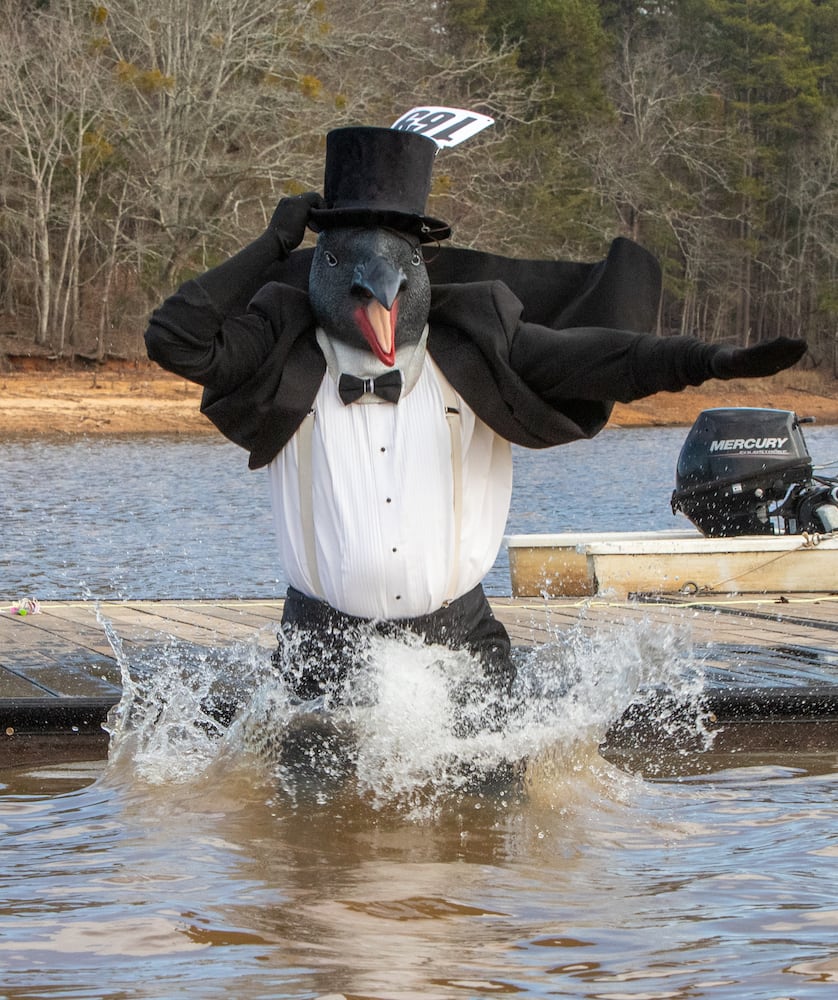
143 141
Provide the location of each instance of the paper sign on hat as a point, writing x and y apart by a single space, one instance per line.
446 126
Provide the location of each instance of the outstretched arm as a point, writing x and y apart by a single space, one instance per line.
602 364
198 332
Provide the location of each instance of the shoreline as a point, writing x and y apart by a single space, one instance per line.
146 400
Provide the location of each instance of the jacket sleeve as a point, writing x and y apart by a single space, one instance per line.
204 333
595 363
602 364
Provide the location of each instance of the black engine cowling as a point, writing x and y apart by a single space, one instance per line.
747 471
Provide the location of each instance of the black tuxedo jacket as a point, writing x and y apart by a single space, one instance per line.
539 349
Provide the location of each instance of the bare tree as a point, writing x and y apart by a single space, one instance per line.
809 260
144 140
49 112
229 103
668 166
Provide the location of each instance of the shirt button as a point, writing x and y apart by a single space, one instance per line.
389 500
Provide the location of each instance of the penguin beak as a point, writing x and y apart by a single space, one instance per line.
377 283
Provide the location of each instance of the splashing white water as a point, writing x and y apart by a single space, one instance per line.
409 729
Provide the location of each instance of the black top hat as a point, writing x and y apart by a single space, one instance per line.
379 177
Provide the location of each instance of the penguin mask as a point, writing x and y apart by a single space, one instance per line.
370 293
368 284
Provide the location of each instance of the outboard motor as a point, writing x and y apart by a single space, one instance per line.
747 471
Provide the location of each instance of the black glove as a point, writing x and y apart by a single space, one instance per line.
290 218
767 358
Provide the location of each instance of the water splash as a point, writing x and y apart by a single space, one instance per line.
408 730
171 724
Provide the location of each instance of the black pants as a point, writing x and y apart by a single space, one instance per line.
327 644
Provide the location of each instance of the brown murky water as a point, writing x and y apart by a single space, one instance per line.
199 865
599 885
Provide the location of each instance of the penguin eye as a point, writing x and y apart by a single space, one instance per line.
331 260
416 259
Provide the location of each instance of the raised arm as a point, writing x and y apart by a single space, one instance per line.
202 332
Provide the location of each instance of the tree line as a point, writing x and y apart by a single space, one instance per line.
142 141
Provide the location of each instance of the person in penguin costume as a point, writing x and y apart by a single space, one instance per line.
383 394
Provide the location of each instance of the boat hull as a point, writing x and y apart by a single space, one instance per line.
623 563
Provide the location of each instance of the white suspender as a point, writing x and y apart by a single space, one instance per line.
306 485
452 418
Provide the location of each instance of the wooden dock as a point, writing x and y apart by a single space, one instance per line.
59 674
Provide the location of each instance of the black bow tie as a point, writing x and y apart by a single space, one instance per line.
388 386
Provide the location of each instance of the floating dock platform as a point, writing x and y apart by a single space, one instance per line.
59 675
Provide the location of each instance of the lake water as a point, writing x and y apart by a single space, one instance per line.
200 864
148 518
